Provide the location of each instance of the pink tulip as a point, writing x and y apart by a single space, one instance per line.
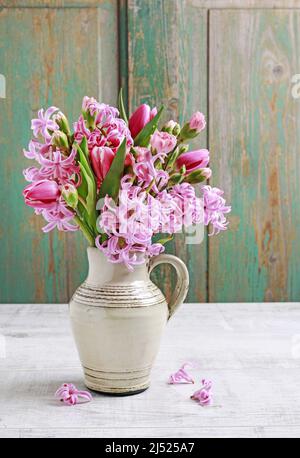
193 160
101 158
42 194
142 115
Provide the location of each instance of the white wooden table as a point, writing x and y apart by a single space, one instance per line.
250 351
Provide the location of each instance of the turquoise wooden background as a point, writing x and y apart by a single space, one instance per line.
232 59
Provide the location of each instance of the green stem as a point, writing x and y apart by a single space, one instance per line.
83 202
85 231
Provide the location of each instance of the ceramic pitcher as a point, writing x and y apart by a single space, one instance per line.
118 317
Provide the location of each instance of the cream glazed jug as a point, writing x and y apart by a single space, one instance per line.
118 317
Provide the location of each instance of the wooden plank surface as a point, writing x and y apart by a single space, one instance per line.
48 56
254 144
250 351
209 4
52 3
169 66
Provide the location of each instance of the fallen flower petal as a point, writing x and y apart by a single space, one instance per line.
69 394
207 384
203 396
181 376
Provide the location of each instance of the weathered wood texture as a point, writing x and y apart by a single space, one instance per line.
209 4
56 55
253 139
254 142
48 56
254 364
168 64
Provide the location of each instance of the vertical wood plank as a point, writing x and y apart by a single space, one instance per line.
167 64
49 57
254 143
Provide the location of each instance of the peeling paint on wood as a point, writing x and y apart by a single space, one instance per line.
254 143
253 134
55 57
170 67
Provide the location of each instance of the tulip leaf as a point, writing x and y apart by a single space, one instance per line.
91 194
111 183
121 106
84 146
87 189
143 138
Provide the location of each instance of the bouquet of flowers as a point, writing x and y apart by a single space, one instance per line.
120 181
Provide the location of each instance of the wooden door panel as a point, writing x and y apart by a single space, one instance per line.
167 64
49 57
254 142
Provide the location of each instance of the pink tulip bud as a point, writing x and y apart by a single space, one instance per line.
101 158
193 160
41 194
142 115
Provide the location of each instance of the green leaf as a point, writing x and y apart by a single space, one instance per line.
84 146
122 110
165 239
143 138
111 183
90 198
87 189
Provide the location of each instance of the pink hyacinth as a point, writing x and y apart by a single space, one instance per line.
60 218
186 206
181 376
109 130
58 167
203 396
36 150
207 384
214 209
197 121
162 142
44 123
129 226
69 394
61 185
147 173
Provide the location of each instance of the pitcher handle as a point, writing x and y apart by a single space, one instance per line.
182 284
